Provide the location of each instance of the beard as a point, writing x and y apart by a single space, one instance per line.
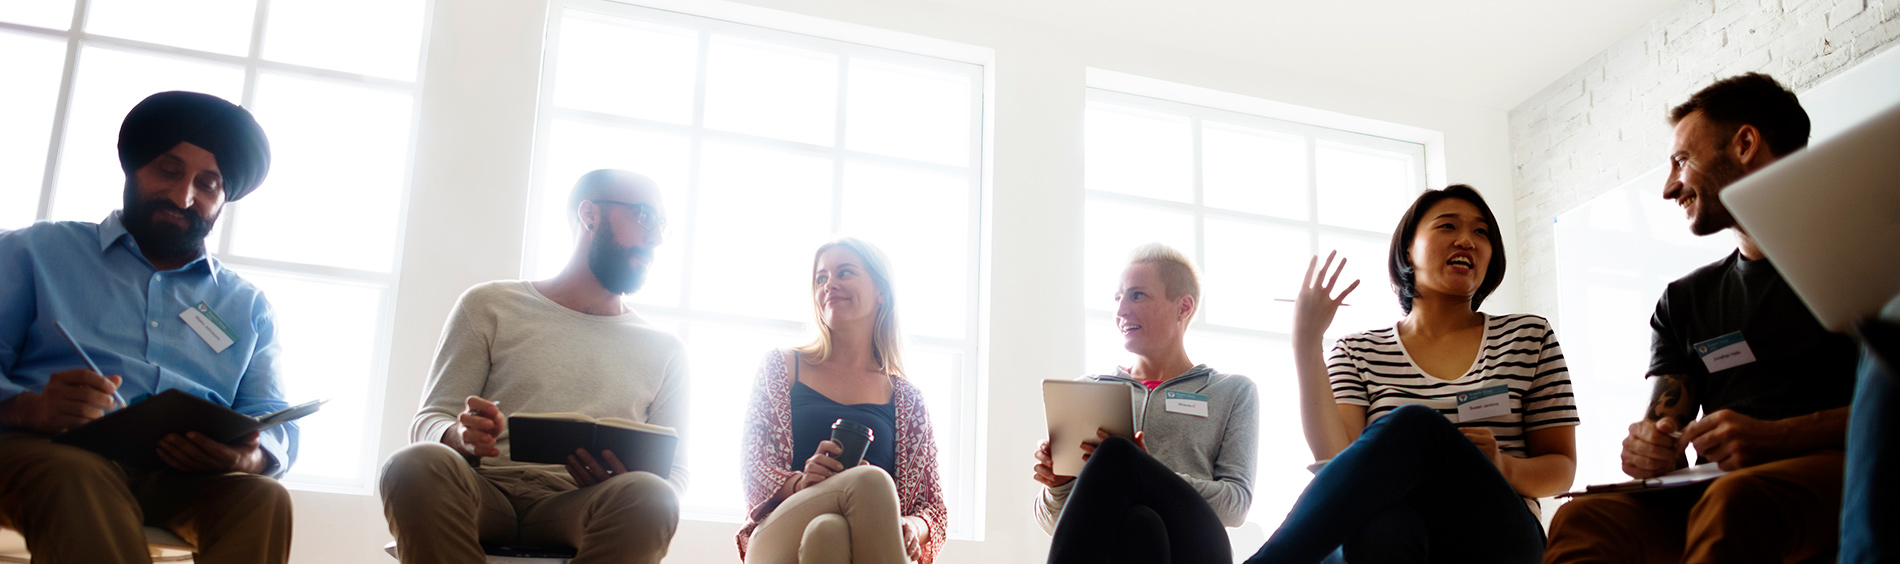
1711 216
162 238
613 264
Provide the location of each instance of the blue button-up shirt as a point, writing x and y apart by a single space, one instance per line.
93 279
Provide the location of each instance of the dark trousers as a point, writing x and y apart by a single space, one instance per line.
1411 489
1870 496
1128 507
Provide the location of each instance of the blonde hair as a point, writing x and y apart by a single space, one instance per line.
887 344
1176 273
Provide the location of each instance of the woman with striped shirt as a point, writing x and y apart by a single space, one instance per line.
1441 430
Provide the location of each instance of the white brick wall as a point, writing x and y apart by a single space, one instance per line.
1604 122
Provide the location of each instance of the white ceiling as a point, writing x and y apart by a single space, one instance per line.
1493 53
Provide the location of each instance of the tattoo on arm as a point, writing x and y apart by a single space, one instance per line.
1672 398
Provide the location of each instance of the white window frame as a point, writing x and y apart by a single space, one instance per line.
254 65
966 416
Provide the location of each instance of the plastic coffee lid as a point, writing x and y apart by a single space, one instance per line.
852 426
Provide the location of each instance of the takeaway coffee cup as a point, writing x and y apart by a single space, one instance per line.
853 438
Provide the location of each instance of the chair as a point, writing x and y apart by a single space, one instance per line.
165 546
514 554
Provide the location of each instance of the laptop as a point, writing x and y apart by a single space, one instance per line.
1829 216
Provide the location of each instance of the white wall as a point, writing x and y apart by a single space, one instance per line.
472 173
1603 124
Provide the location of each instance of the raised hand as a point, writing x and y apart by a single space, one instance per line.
1315 305
481 425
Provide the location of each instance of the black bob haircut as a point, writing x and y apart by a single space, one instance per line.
1750 99
1399 262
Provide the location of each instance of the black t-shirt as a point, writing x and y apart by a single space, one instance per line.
1799 367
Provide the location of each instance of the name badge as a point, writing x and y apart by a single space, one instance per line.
1725 352
1484 403
206 323
1183 402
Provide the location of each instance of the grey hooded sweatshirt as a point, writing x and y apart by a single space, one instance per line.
1215 454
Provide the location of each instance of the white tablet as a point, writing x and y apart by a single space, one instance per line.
1075 409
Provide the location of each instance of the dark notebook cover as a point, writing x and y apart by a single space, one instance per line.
550 441
130 436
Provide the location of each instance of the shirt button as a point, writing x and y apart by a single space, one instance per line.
158 277
154 323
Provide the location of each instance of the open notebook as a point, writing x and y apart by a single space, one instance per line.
549 438
130 436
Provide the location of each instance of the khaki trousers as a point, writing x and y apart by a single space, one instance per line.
850 518
75 506
441 509
1783 511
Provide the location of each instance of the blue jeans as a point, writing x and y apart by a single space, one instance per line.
1411 489
1868 500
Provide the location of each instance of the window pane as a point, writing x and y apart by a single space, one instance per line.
761 214
772 90
1373 305
107 85
1248 266
724 363
51 14
1112 231
328 332
938 376
1363 188
384 36
622 68
32 67
219 26
340 156
1280 465
1138 153
919 219
576 148
908 112
1253 170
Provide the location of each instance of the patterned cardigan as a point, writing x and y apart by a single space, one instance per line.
768 458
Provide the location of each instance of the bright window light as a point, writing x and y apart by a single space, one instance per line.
765 146
1237 194
49 14
32 67
384 36
319 237
218 26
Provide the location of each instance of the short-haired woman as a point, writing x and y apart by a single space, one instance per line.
1471 415
1167 495
806 505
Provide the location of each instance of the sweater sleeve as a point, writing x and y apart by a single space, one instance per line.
1230 492
460 369
670 408
765 456
917 471
1049 505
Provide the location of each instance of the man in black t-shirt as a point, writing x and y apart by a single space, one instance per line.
1732 341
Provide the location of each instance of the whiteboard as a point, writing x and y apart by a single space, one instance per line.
1616 253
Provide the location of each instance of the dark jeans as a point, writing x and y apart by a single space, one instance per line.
1868 499
1128 507
1411 489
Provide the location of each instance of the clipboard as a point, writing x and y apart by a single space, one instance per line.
1075 409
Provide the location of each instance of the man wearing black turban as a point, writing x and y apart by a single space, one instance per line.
155 313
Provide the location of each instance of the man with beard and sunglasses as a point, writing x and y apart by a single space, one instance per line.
154 312
1732 341
565 344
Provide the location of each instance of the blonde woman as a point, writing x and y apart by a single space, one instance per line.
807 507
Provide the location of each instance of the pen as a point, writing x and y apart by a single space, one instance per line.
1291 301
116 398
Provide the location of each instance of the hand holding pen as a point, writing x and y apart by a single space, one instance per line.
70 398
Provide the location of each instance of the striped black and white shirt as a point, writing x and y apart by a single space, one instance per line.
1373 369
